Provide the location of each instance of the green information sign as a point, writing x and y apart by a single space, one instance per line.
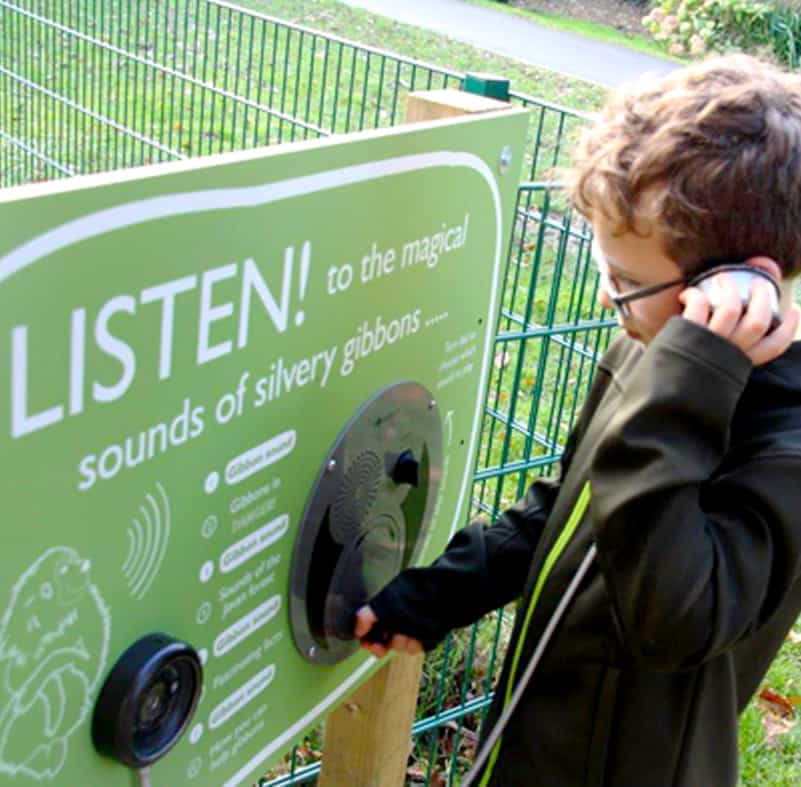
214 373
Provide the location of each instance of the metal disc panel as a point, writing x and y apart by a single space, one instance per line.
366 517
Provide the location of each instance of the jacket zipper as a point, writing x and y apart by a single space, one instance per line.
556 552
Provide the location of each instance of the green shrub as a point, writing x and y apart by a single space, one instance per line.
785 33
696 27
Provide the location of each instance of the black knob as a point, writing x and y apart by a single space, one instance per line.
406 470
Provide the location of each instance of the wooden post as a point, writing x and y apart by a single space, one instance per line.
440 104
368 738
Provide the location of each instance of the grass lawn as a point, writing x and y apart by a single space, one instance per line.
365 28
138 114
770 736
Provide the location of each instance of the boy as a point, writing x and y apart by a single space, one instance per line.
684 469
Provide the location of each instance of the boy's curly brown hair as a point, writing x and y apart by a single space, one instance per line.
710 155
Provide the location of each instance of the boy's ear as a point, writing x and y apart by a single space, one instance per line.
768 265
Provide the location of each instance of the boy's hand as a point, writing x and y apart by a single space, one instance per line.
746 328
365 618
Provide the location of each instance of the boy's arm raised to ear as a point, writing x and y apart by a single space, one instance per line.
692 564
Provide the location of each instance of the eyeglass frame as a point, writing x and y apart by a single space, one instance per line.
621 300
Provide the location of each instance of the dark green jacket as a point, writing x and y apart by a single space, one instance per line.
693 459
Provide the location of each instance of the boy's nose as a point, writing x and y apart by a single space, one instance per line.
604 299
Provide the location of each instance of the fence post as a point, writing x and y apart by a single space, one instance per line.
368 738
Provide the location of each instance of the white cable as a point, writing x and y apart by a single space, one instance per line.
503 720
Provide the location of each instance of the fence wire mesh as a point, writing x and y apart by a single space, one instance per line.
95 85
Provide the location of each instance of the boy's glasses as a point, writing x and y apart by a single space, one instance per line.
618 293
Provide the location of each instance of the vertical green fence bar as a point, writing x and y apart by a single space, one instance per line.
97 85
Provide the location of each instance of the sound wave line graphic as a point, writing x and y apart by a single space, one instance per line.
148 538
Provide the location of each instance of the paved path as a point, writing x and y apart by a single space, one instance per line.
513 36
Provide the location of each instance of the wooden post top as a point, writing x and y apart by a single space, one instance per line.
439 104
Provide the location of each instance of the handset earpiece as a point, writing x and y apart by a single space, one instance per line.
743 276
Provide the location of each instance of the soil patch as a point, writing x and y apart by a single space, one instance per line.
624 16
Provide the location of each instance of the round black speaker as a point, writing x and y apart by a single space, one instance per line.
147 701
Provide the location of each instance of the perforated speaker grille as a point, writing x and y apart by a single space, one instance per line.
355 496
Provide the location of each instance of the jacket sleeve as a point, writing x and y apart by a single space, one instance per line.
694 555
482 569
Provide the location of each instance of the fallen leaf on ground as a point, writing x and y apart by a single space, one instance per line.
465 733
778 716
777 703
775 728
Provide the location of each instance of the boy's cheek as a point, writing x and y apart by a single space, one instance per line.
648 322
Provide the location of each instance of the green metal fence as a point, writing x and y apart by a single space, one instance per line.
95 85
